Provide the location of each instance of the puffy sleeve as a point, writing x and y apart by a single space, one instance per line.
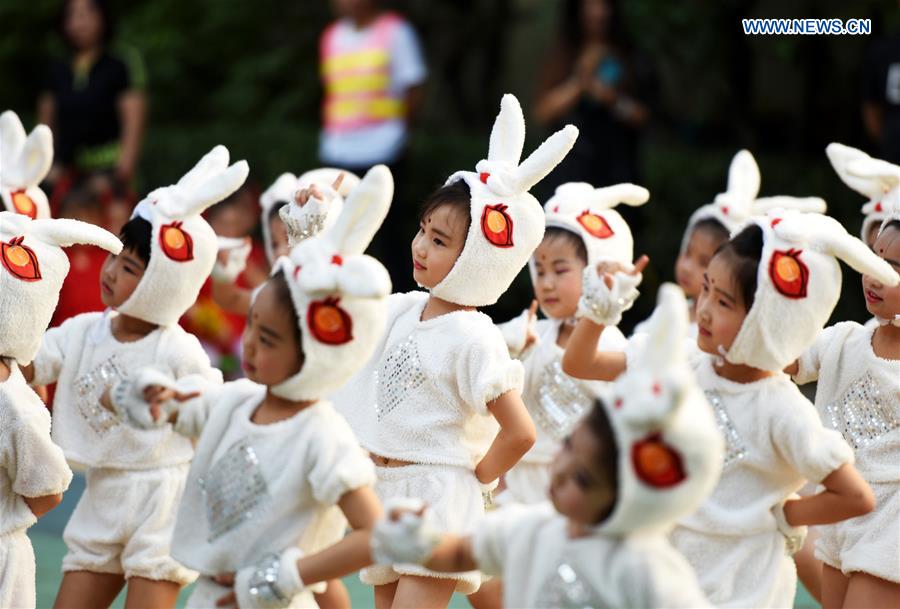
36 466
484 370
491 540
801 439
340 464
186 357
50 357
811 360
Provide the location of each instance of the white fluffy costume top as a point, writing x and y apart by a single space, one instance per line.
670 455
506 222
312 217
877 180
183 245
24 163
32 269
798 285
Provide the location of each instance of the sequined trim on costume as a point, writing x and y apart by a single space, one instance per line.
735 449
399 375
864 412
234 489
89 388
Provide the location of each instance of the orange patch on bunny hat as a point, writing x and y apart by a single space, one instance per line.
595 225
176 242
23 204
20 260
497 226
789 275
328 322
656 463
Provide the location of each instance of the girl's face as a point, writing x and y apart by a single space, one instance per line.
558 283
720 307
83 24
578 489
691 264
271 352
437 245
883 301
278 232
119 277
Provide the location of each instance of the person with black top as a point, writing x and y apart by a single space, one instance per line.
881 96
93 101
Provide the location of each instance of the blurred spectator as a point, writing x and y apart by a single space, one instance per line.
594 80
373 73
93 100
881 96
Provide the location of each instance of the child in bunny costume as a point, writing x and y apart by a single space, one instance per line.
766 295
276 467
858 395
24 163
33 470
583 228
120 530
428 403
635 464
283 226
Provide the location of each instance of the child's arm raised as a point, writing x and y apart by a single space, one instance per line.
582 360
517 435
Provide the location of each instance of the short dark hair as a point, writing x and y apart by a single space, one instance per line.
891 224
273 211
608 454
745 252
713 228
456 194
557 232
136 235
283 293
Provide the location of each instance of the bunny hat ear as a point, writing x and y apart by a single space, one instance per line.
873 178
24 163
670 449
732 207
841 158
764 205
183 246
506 223
32 269
798 285
339 294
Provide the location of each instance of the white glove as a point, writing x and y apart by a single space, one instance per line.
794 537
127 398
408 540
238 250
309 220
272 583
487 491
603 305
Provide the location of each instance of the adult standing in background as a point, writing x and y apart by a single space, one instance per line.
93 100
373 73
881 96
594 80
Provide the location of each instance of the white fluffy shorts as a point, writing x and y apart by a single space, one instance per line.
17 570
207 592
454 498
123 524
869 543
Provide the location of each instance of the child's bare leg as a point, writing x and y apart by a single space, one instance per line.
88 590
809 568
488 596
384 595
865 590
834 587
146 593
414 592
334 597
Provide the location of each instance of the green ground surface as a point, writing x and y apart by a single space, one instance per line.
49 550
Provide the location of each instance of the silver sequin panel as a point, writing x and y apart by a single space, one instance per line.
735 449
561 401
234 489
399 375
567 589
302 227
864 412
90 387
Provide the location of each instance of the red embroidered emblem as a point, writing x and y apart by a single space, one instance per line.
497 226
336 259
23 204
788 273
20 260
328 322
595 225
878 207
176 242
656 463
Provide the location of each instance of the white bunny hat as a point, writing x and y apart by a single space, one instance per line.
183 245
873 178
734 206
315 214
670 449
339 294
506 222
798 285
24 163
32 269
